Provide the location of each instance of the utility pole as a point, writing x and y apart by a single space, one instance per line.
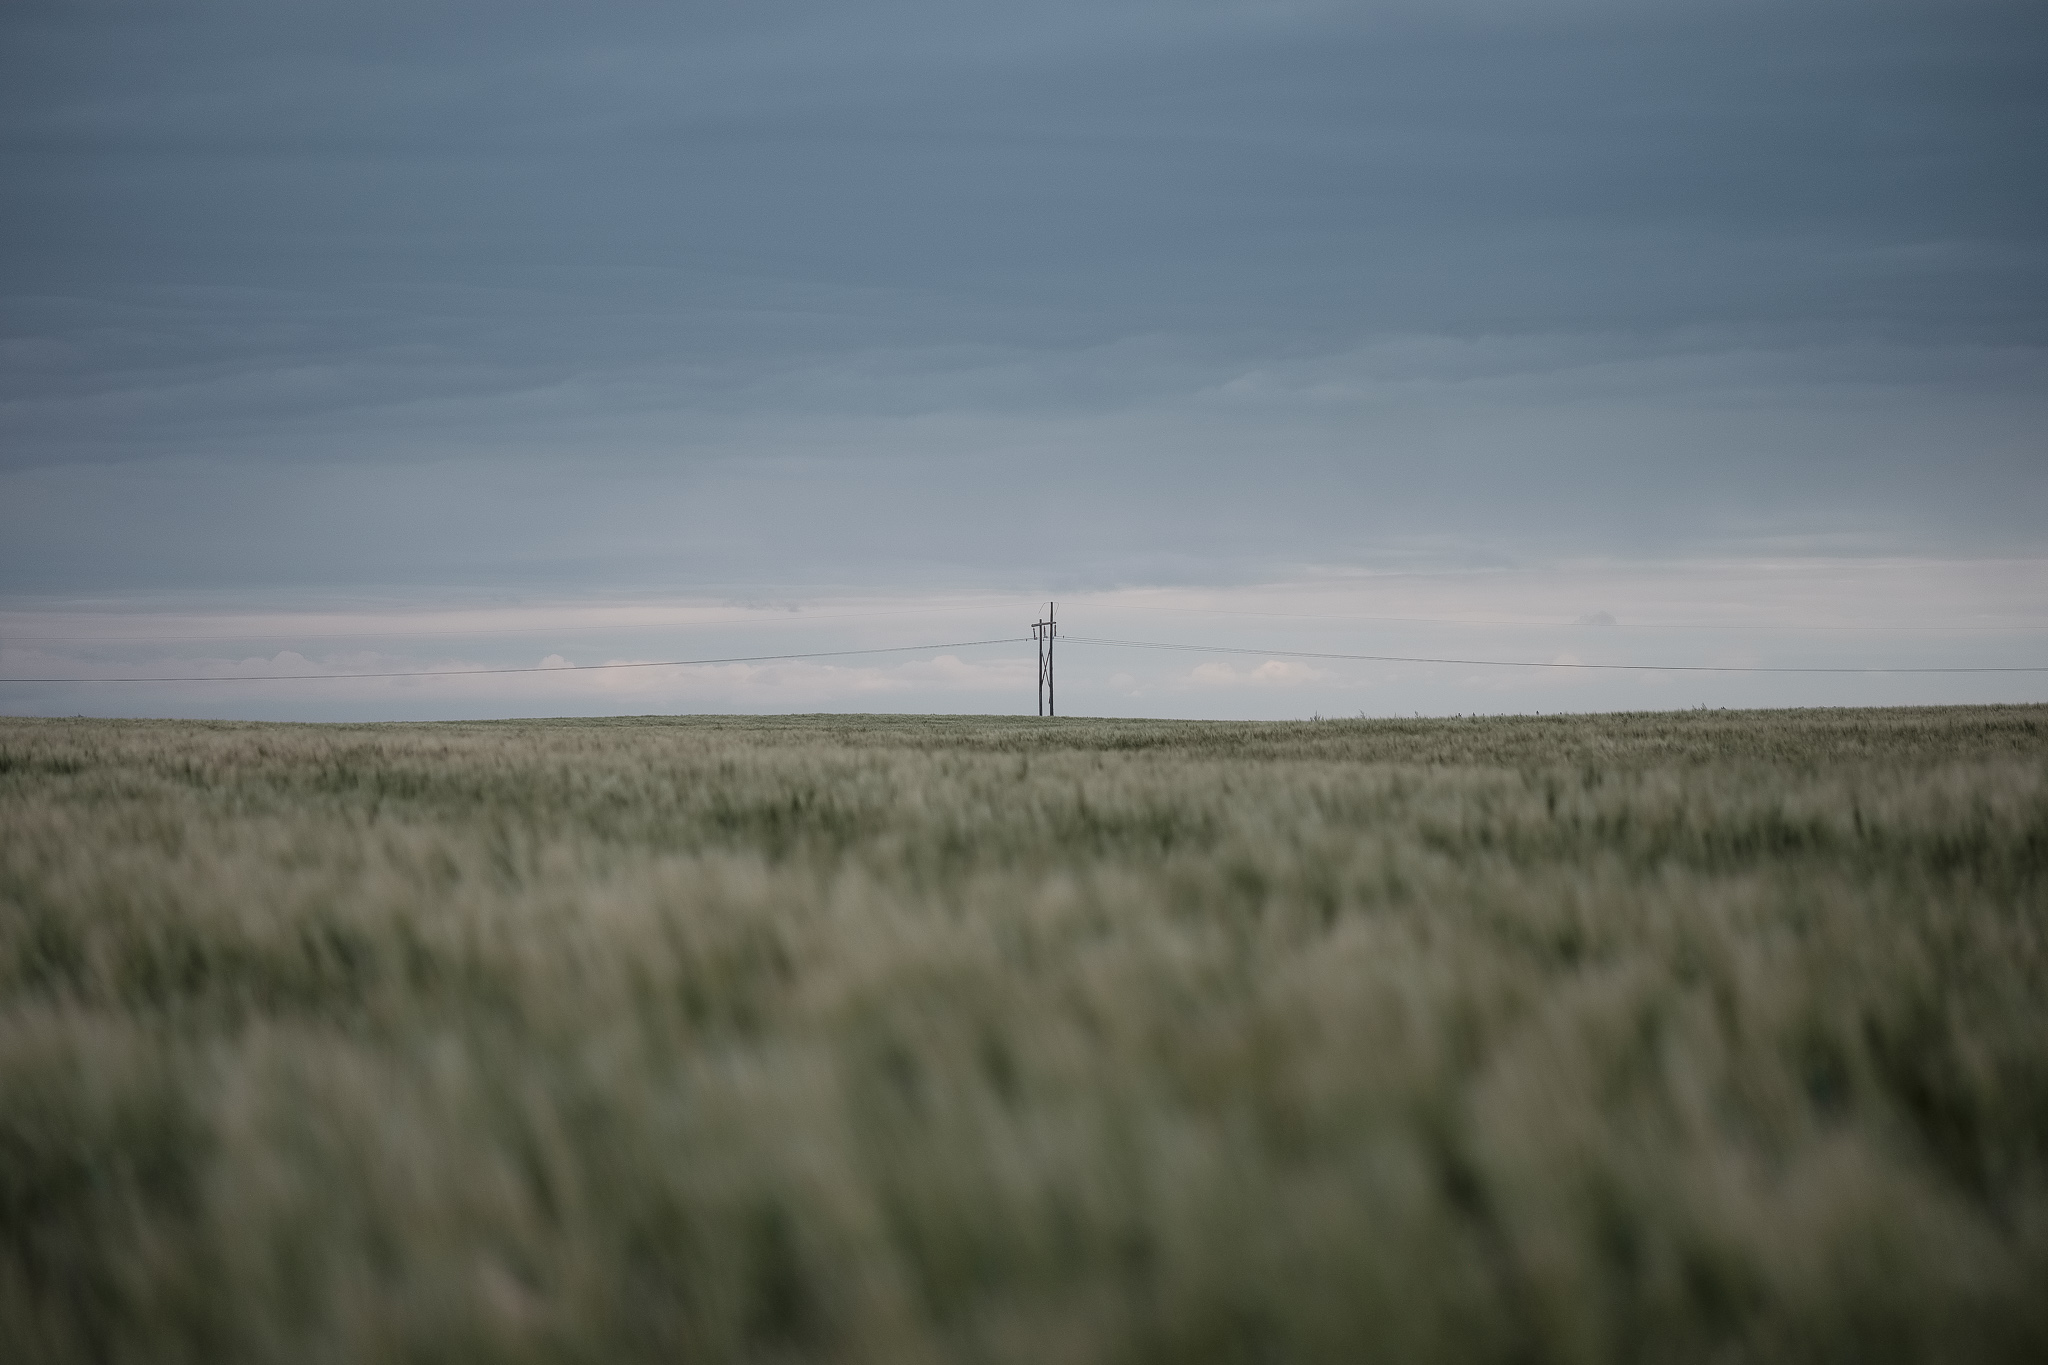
1045 632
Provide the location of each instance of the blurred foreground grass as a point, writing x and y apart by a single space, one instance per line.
1705 1036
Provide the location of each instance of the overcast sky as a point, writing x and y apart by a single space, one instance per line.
469 323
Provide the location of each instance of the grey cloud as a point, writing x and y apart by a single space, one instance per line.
420 293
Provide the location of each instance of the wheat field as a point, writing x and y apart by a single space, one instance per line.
1704 1036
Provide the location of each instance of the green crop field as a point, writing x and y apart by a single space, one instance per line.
1705 1036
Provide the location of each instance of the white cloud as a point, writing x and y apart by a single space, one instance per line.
1272 673
1739 613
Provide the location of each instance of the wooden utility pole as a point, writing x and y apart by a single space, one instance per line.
1045 632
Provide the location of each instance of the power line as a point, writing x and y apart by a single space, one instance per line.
1530 624
1040 632
778 618
557 668
1528 663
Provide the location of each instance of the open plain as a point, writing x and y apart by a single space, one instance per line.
1704 1036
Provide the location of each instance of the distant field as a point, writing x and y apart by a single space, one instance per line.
1706 1036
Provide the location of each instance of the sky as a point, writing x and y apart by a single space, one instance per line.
377 337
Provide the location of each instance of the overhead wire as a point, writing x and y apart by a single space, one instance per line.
541 668
636 627
800 617
1525 663
1526 623
1102 641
